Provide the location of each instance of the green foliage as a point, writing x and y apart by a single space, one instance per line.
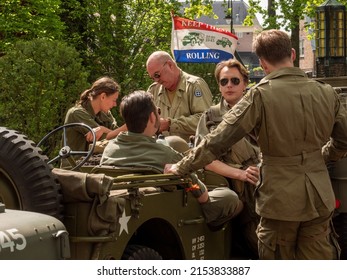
287 12
116 37
197 8
39 80
26 20
254 7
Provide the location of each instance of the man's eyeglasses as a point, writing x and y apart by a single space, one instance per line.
235 81
157 74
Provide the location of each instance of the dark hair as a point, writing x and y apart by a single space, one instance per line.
273 46
135 109
104 84
231 63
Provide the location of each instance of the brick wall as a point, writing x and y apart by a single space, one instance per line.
307 61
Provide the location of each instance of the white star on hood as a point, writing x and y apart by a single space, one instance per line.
123 221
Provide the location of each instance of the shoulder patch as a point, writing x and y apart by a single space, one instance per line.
198 93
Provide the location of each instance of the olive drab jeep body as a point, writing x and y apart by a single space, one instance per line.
131 213
28 235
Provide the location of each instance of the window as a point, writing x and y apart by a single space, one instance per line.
302 47
239 34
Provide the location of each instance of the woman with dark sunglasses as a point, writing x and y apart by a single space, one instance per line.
238 165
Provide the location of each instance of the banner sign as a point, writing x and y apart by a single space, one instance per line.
193 41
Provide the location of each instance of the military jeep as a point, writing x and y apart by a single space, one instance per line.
109 212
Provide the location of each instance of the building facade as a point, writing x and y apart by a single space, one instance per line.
306 54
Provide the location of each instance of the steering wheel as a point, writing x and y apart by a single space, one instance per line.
65 152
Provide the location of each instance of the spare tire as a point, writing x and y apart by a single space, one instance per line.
26 181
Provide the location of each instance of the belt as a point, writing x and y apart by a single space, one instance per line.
292 160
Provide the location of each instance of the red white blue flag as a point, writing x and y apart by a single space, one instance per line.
194 41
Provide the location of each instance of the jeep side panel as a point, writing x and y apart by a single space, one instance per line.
171 223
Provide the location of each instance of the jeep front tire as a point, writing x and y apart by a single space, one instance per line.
26 181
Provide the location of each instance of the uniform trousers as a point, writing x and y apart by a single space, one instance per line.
285 240
221 206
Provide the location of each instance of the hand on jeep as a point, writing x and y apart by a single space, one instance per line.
170 168
251 175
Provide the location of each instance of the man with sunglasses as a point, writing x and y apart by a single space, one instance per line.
181 97
292 117
239 163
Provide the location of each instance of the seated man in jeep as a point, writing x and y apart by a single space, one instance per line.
138 147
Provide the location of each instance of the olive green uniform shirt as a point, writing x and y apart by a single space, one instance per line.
76 139
292 117
192 98
130 149
240 155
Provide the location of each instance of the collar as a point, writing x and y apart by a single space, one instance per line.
224 106
135 137
291 71
90 109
